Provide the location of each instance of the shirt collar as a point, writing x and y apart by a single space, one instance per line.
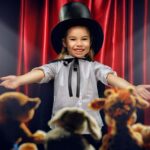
69 56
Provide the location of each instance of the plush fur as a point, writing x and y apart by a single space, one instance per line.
120 115
70 123
28 146
16 109
144 130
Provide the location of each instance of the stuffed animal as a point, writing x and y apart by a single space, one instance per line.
144 130
70 123
16 109
120 115
28 146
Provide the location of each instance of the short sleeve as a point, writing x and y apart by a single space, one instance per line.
102 71
49 72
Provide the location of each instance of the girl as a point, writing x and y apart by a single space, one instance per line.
77 38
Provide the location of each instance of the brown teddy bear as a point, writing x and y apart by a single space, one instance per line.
120 115
28 146
70 123
144 130
16 109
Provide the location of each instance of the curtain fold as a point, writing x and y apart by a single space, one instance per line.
145 31
130 37
126 27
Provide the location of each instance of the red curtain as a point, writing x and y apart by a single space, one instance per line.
126 26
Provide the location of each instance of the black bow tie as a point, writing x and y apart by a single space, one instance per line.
76 67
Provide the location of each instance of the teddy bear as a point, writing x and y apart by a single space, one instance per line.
144 130
17 109
28 146
119 107
68 125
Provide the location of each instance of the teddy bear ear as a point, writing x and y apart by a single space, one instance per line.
35 102
31 104
57 117
93 127
141 103
97 104
109 92
131 90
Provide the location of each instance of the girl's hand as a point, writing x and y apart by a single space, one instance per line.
143 91
9 82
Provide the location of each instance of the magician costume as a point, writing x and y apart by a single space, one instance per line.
75 79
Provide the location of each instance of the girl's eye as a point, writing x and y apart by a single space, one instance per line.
84 39
72 39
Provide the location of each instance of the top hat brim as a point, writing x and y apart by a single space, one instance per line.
60 29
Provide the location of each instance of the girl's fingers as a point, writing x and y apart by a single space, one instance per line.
145 94
147 86
7 77
3 83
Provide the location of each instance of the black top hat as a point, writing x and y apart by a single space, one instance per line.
73 14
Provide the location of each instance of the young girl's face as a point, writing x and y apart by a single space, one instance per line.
77 41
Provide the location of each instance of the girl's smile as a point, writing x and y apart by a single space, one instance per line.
77 41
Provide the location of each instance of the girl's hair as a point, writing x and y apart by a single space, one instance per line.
64 50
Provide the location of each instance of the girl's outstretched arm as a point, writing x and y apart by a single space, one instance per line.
12 81
141 90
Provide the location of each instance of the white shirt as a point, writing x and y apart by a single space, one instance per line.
90 73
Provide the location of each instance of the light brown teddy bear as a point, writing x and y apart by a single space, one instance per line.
144 130
16 109
120 115
28 146
70 123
